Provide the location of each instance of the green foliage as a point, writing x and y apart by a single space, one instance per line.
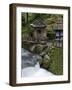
48 19
51 35
56 65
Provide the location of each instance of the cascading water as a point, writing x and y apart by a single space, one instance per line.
30 65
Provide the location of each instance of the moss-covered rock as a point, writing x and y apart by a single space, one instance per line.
46 61
38 48
42 53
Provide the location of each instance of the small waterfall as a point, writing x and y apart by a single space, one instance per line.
30 65
29 59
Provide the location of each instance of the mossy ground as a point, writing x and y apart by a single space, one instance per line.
56 65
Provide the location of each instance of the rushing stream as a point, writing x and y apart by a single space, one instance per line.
30 65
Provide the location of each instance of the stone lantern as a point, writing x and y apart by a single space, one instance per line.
39 32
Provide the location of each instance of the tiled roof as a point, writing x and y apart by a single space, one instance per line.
38 23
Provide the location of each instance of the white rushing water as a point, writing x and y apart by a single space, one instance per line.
36 72
31 67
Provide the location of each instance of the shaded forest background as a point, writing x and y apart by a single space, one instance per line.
49 19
